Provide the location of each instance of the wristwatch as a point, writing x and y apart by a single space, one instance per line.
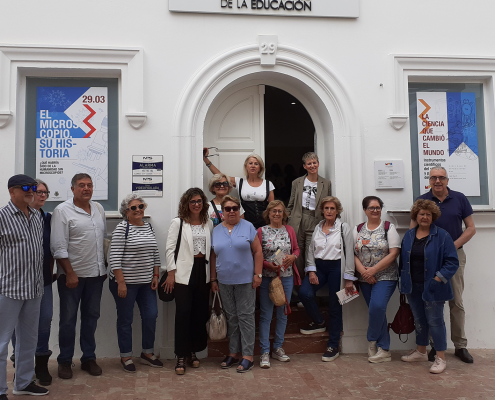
259 275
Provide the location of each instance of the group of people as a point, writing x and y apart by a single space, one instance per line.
231 246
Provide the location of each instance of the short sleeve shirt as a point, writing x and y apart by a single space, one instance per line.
455 208
234 258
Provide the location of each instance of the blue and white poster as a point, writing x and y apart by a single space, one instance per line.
448 137
72 137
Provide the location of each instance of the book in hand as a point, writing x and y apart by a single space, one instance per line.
346 298
277 258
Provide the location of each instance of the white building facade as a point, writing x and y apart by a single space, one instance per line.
183 80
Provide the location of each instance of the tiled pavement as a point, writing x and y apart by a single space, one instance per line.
305 377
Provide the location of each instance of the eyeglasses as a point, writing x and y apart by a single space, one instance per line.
218 185
234 208
42 193
194 202
441 178
26 188
374 209
275 211
134 208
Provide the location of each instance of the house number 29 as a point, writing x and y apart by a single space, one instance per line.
268 48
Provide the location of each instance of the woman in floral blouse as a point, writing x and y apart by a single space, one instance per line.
376 250
276 235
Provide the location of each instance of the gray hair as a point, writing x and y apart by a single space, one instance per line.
216 178
309 156
124 206
78 177
442 169
40 182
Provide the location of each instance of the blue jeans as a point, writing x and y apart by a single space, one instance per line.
377 297
23 316
88 295
145 297
428 319
266 308
45 323
328 273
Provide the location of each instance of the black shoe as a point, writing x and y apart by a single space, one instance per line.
65 371
432 354
32 389
330 355
464 355
91 367
3 397
128 365
151 361
41 370
313 328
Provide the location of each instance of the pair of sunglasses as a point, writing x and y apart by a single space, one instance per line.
218 185
229 209
26 188
134 208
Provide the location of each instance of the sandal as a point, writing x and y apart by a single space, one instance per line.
228 362
193 360
246 365
180 367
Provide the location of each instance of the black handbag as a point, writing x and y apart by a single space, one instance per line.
162 295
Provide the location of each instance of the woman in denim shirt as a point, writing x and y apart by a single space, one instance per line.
428 262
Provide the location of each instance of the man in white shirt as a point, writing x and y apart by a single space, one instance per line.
78 231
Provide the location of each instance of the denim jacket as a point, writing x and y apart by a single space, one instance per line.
440 260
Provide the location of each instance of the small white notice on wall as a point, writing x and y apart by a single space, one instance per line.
147 176
389 174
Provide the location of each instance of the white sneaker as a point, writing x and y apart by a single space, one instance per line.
300 304
438 366
380 356
265 360
279 354
414 356
372 348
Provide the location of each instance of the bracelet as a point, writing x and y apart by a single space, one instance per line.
157 275
214 280
209 164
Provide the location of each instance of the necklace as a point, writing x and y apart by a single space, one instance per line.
230 230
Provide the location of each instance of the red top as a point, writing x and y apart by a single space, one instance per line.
294 251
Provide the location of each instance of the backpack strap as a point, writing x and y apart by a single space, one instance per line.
267 189
216 211
360 226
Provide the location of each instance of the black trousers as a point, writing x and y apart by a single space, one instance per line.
192 311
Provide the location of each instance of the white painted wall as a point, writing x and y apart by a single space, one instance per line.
177 46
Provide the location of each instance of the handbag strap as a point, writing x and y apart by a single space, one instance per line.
177 245
215 297
216 212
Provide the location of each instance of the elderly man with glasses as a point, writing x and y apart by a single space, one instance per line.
21 283
456 209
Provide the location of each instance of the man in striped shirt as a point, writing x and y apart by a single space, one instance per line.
78 230
21 283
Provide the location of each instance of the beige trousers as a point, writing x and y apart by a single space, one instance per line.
457 314
304 234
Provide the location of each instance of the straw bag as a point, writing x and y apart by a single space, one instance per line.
217 324
277 295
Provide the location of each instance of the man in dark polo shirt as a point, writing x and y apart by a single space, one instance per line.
455 210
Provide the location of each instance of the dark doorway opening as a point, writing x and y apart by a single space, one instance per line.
289 133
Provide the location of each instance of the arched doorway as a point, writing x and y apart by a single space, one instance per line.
260 119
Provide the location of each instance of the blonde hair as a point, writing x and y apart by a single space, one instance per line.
273 204
334 200
228 198
309 156
260 162
214 179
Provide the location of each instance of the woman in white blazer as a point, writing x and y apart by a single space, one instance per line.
190 276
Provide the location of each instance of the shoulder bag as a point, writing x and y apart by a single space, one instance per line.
162 295
217 324
403 323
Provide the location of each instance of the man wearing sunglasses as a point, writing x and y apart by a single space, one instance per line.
78 231
21 283
455 210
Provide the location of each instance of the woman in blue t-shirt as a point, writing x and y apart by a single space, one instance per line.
235 268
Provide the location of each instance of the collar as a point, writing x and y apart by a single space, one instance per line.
432 196
336 226
80 210
13 208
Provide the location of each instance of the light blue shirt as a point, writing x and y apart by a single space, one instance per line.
235 264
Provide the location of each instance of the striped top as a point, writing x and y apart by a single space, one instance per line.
21 253
137 256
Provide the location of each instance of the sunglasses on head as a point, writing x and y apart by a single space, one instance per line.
234 208
221 184
26 188
134 208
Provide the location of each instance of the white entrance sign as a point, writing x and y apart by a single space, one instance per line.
389 174
284 8
147 176
72 138
448 137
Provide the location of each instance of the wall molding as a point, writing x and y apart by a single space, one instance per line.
412 67
33 60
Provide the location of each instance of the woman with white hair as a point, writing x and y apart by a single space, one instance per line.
219 185
255 192
134 271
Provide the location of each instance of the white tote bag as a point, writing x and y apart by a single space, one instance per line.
217 324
